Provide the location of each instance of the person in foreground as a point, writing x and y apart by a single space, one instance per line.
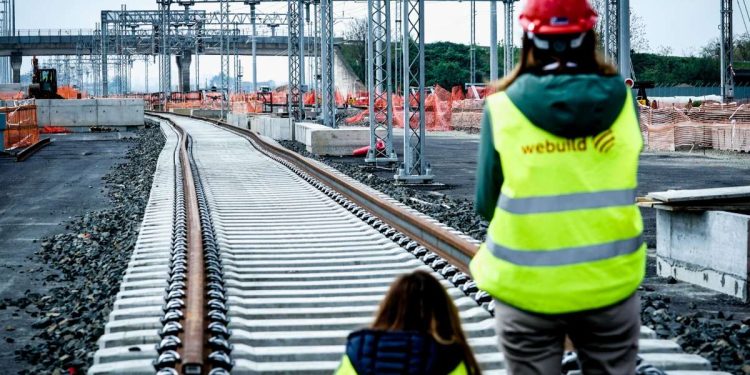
556 177
417 331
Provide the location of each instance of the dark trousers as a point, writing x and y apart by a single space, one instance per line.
606 339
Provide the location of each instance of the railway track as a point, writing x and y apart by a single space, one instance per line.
254 260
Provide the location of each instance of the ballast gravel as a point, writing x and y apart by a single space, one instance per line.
86 264
457 213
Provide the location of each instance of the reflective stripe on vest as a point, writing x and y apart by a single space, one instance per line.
567 202
564 256
566 235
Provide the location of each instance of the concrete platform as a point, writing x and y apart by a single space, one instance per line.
710 249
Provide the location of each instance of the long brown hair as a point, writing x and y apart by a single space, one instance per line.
533 60
418 302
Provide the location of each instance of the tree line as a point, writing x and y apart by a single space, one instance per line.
448 64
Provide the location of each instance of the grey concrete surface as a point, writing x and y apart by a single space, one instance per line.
37 196
707 248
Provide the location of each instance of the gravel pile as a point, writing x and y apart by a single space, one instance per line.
86 265
457 213
723 339
719 337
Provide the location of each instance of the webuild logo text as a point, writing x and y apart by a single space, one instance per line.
603 142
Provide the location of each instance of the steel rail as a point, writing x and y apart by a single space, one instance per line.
194 336
452 246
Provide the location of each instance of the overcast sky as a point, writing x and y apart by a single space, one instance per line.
682 25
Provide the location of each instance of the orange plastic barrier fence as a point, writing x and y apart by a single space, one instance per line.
17 95
22 129
54 130
444 110
720 127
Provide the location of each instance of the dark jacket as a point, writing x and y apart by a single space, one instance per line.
568 106
371 352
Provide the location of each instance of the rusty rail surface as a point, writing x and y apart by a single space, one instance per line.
194 335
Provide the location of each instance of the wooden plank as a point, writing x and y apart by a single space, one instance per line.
737 193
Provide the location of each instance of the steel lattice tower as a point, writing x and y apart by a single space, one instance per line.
295 104
379 82
327 61
727 52
415 168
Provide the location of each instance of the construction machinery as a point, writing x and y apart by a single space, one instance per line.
43 82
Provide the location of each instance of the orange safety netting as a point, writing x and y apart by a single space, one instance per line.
54 130
716 126
22 129
12 95
444 110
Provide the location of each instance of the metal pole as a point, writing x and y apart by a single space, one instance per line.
146 88
508 48
301 33
105 81
293 88
165 73
612 30
327 61
473 45
198 35
255 60
624 31
224 44
727 52
493 40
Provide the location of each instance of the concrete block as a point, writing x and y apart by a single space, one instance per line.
207 113
710 249
658 346
239 120
278 128
120 112
322 140
80 115
676 361
182 111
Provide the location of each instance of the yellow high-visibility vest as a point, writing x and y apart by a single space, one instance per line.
566 233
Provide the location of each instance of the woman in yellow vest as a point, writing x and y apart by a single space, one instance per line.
556 178
417 331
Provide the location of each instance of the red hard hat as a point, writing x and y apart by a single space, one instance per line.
551 17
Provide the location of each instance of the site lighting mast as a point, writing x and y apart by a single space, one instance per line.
617 35
508 60
727 52
253 4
